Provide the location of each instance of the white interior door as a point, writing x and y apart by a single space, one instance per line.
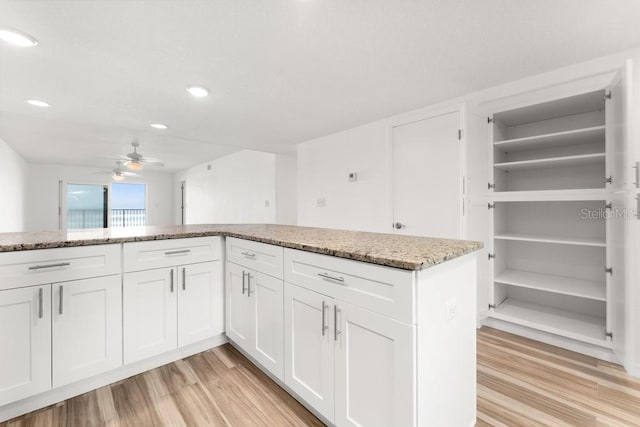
238 306
87 328
309 347
267 297
200 302
150 313
25 342
427 177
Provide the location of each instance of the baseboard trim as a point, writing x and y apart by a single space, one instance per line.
54 396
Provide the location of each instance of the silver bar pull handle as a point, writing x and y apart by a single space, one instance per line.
181 251
172 280
336 329
244 289
638 206
40 303
248 284
61 295
184 278
324 318
330 277
637 168
40 267
248 254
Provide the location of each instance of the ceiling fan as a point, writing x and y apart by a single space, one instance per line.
136 161
118 174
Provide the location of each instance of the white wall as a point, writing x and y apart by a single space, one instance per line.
13 179
236 189
286 189
42 193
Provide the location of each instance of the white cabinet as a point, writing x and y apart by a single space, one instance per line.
166 308
374 369
309 347
87 328
25 342
150 313
255 315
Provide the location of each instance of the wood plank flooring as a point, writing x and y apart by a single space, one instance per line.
520 383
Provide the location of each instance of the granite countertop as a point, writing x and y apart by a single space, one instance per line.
404 252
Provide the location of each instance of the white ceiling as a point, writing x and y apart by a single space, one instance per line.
280 71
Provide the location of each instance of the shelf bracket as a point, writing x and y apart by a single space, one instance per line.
491 205
492 256
491 186
609 180
609 335
609 270
607 95
491 120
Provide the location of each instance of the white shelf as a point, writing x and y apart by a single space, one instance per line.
576 326
555 284
550 195
566 138
581 159
577 241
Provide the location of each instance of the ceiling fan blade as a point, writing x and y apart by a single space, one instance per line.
131 174
152 162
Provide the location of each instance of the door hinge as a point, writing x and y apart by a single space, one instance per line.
491 205
492 306
459 134
492 256
609 335
490 120
608 206
608 180
609 270
607 95
491 186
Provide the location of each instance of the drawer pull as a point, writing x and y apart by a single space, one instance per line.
40 267
330 277
181 251
324 315
336 329
60 307
248 254
40 303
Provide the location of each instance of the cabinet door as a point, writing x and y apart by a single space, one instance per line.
87 328
150 313
266 294
309 343
25 342
200 302
238 307
375 370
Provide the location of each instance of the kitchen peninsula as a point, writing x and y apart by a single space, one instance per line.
362 328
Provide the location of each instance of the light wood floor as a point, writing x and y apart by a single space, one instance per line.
520 383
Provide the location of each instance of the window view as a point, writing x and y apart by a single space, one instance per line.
128 205
86 206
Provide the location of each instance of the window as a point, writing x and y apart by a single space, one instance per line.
86 206
128 205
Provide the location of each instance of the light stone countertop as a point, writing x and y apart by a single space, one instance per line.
404 252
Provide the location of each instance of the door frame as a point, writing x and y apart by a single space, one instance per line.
418 116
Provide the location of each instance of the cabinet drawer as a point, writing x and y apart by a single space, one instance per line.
255 255
27 268
140 256
383 290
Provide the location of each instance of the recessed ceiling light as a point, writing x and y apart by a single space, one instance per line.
158 126
197 91
37 103
17 38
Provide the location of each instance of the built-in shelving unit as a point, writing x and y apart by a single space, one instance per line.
549 206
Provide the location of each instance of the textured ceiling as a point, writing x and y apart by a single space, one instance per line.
280 72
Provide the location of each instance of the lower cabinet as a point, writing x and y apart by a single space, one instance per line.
166 308
255 315
87 328
354 366
25 342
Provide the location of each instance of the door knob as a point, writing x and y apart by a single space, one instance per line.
398 225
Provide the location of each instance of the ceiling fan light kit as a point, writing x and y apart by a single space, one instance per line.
134 165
